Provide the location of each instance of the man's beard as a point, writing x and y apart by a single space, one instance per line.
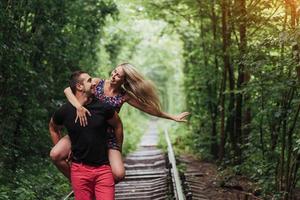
89 94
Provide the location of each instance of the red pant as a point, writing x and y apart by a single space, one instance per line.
88 181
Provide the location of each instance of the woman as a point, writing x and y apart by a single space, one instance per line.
124 85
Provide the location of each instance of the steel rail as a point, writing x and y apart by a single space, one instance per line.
178 192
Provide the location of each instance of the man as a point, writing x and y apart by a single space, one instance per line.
90 171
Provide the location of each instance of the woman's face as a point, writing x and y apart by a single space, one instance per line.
117 76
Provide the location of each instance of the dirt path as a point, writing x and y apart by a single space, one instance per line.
201 181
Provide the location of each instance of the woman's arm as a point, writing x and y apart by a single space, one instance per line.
81 111
151 111
71 98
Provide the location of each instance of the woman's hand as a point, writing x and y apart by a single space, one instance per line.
181 117
82 115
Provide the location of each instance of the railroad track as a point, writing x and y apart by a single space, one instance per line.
194 187
147 175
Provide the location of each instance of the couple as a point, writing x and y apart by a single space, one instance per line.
90 172
124 85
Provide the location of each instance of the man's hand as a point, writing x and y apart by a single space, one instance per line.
82 113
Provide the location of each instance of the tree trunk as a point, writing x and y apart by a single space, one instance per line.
226 57
214 106
241 13
226 62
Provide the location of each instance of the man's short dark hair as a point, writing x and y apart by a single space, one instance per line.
74 79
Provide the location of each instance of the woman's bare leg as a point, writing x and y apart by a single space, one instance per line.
117 165
59 155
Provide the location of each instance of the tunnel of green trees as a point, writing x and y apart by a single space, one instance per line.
234 64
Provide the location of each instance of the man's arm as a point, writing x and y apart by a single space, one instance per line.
116 123
55 131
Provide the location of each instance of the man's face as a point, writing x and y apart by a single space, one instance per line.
94 83
86 84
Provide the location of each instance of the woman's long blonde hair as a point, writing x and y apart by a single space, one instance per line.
140 88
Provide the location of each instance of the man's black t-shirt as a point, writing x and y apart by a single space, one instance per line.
89 143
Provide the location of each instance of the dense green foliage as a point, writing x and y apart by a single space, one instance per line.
242 84
41 43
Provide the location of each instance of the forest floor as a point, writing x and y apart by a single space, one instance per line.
215 184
